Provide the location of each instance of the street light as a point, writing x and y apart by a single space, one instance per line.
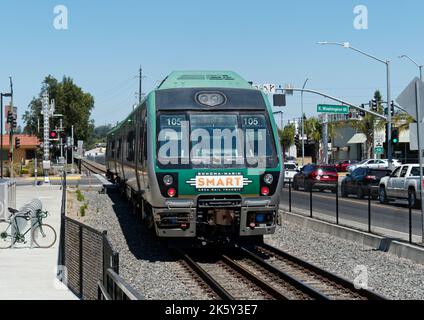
2 95
389 116
413 61
303 127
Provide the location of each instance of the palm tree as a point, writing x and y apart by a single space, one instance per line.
287 136
313 129
369 124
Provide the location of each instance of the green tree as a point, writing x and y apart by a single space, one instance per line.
70 100
313 130
287 136
369 124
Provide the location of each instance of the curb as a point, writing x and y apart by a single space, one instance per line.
389 245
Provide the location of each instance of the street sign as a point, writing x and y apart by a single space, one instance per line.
407 99
269 88
379 150
335 109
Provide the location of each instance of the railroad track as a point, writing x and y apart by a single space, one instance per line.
93 166
265 273
328 284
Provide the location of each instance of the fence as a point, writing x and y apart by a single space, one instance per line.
90 266
398 220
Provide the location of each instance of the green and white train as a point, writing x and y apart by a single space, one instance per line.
200 160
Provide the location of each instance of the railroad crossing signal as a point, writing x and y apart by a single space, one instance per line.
17 143
9 117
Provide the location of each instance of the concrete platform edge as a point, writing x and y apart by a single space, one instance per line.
397 248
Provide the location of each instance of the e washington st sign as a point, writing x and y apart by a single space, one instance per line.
336 109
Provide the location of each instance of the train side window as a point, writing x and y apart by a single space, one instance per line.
141 136
145 139
130 146
118 154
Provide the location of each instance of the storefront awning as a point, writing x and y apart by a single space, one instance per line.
357 138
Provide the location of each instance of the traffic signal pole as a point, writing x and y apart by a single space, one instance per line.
389 118
11 131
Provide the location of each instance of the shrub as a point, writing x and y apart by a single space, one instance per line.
80 196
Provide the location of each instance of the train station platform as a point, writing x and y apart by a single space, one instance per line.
30 273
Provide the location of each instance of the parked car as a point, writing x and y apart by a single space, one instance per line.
290 169
363 180
373 164
403 183
342 165
290 159
313 176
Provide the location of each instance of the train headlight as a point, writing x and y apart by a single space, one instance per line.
168 180
268 178
210 99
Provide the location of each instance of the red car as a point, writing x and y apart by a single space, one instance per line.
342 165
312 176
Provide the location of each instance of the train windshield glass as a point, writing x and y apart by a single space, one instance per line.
212 140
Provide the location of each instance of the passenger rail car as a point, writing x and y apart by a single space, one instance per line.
200 159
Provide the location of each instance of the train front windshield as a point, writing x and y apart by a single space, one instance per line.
208 140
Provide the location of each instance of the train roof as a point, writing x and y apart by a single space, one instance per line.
196 79
204 79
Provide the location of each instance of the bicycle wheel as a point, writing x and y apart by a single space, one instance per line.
44 236
5 235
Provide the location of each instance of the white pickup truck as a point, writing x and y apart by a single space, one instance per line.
403 183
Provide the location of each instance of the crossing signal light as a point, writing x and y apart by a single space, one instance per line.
17 143
395 136
53 135
9 117
14 123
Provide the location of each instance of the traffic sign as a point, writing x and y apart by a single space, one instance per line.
335 109
379 150
269 88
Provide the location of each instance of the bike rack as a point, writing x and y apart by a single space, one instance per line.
30 209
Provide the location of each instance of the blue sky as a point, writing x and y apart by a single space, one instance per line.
265 42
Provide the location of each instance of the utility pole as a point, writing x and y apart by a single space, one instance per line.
11 131
72 148
140 79
325 139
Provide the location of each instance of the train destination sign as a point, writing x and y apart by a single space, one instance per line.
335 109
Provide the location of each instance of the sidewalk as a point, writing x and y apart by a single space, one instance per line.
30 274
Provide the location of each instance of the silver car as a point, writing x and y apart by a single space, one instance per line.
290 169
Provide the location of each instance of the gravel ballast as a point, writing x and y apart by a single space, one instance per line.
388 275
155 273
145 264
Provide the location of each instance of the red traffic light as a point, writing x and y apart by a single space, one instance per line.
53 134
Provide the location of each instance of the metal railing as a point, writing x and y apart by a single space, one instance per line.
367 222
109 284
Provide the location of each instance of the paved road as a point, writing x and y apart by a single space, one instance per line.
394 216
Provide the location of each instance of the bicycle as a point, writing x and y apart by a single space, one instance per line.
43 235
